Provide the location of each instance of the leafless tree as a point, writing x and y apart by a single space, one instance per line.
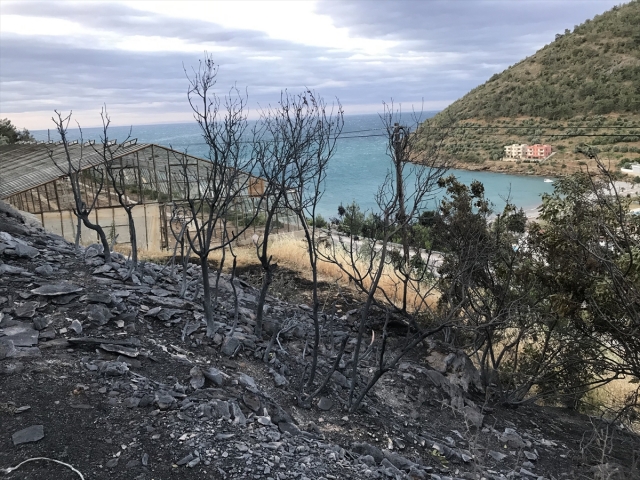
406 191
293 137
318 127
213 192
73 167
120 178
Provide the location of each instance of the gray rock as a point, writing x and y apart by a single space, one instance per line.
11 269
325 403
511 438
526 473
247 382
121 349
44 270
280 380
28 435
21 334
530 456
214 376
40 323
185 460
230 346
114 369
164 401
7 348
26 310
368 460
340 379
367 449
252 402
98 314
22 250
99 297
238 416
222 409
56 289
197 378
76 326
473 416
497 456
398 460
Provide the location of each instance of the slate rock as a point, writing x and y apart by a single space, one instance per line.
98 313
56 289
44 270
76 326
7 348
28 435
511 438
474 416
230 346
25 251
222 409
368 449
214 376
21 334
247 381
114 369
398 460
99 297
40 323
11 269
26 310
252 402
164 401
197 378
238 416
325 403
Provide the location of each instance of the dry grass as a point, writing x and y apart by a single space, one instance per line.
291 253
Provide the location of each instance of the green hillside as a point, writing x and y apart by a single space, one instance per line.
583 88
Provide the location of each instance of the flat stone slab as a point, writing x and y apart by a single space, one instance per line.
26 310
21 334
169 302
55 289
28 435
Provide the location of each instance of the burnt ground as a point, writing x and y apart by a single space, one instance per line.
119 373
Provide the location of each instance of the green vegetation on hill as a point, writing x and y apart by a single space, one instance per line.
583 88
593 70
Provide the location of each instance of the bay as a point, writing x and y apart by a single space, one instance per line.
355 172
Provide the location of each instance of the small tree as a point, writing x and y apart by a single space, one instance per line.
119 175
313 129
73 168
213 192
367 261
291 141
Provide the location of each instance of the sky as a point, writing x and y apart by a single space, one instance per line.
132 55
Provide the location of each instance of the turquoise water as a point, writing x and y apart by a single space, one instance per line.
355 172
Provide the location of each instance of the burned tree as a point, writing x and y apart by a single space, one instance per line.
212 192
296 142
376 264
77 173
120 178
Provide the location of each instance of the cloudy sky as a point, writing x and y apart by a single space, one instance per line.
130 55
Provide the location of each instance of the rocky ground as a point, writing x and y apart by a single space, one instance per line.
110 372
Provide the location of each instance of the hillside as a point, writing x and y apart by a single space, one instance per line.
117 379
583 88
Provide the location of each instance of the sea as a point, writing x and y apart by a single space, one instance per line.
355 172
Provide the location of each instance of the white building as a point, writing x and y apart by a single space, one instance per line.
515 151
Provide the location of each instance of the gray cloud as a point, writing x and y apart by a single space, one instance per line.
445 49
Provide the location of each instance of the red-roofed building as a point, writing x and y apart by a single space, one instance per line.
538 152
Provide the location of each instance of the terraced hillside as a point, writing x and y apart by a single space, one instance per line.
583 88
